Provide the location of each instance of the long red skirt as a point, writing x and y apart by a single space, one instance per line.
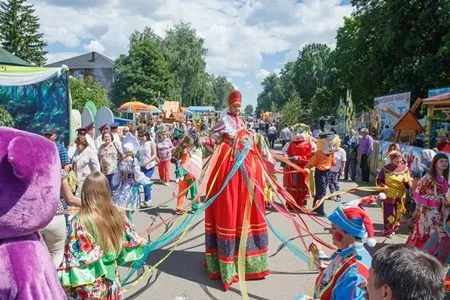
224 219
297 184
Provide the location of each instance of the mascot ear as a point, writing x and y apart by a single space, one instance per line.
20 150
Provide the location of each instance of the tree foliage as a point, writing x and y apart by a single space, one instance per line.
173 66
248 110
143 74
388 47
87 89
384 47
185 53
221 88
19 31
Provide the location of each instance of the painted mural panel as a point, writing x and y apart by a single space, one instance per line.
35 106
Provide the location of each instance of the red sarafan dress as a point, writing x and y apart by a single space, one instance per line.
224 218
296 182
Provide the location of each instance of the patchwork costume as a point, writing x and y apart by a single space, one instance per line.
397 180
30 181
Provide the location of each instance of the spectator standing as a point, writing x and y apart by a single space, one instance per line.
148 160
351 142
272 135
99 140
337 170
387 134
108 156
63 156
85 161
365 149
285 136
164 151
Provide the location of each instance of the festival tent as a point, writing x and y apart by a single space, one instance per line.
201 109
37 98
9 59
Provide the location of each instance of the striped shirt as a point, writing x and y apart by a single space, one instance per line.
63 156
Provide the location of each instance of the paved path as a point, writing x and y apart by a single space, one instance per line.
182 275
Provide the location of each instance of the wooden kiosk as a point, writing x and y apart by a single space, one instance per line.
438 116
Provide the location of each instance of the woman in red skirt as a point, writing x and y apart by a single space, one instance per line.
225 217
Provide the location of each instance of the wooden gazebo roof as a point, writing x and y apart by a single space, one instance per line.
408 122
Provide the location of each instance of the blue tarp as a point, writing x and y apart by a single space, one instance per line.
200 109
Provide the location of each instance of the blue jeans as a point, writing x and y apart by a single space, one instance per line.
147 189
110 178
321 179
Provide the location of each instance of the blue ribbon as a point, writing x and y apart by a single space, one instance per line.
175 232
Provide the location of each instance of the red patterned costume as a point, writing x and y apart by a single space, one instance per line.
299 152
224 218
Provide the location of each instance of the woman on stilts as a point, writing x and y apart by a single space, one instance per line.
225 217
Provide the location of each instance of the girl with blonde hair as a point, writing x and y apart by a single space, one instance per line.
99 239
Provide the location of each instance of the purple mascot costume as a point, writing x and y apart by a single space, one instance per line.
30 181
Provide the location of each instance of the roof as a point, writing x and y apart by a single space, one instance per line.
9 59
201 109
438 99
90 60
171 107
408 122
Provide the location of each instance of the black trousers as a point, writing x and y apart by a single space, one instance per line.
272 138
350 167
365 167
321 182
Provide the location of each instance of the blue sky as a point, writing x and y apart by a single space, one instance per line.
246 39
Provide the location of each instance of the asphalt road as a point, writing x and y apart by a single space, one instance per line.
182 275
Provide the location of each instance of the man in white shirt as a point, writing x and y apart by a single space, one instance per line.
335 172
272 135
285 136
90 134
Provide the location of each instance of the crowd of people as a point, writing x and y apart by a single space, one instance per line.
106 179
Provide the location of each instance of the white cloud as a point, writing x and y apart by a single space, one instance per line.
94 45
237 32
261 74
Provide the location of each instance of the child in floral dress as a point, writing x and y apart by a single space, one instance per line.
91 257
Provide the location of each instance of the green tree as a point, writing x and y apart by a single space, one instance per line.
272 93
142 74
311 69
83 90
221 88
387 47
19 31
248 110
290 113
5 118
185 53
146 34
